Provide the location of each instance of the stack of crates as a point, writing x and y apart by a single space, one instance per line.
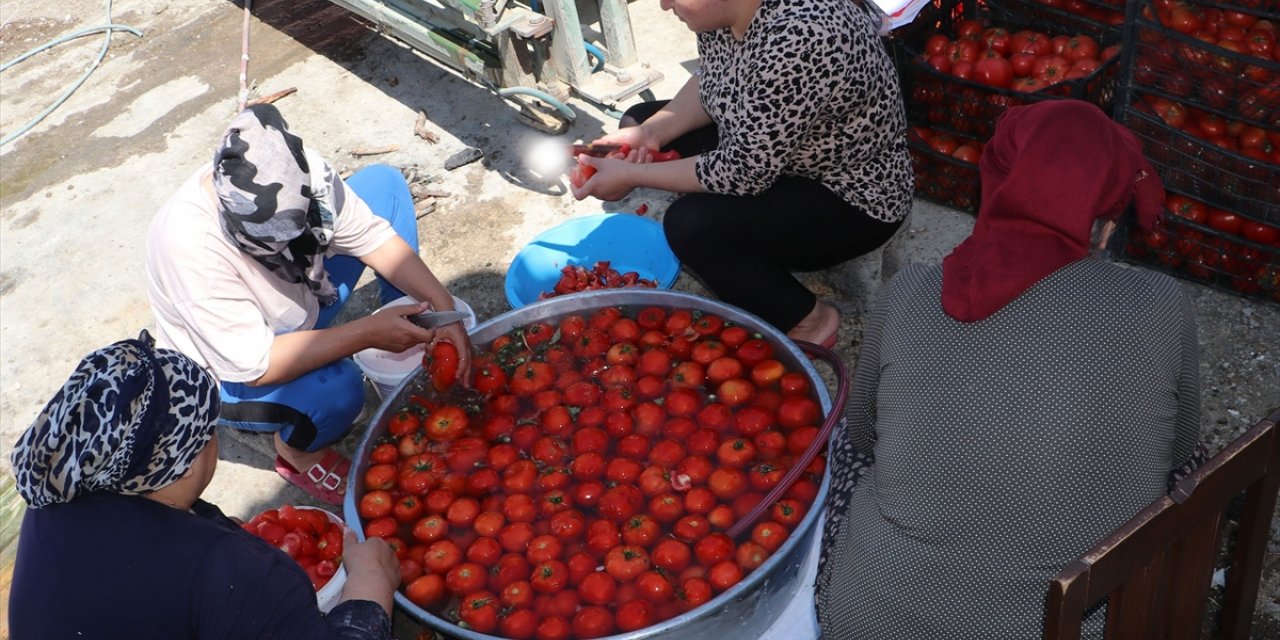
953 116
1201 89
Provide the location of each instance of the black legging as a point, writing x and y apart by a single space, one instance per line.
744 248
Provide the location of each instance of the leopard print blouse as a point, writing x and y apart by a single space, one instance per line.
810 91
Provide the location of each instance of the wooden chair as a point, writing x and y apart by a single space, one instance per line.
1156 568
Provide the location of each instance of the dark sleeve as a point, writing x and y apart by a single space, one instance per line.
359 620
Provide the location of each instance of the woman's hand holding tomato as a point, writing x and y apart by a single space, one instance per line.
607 179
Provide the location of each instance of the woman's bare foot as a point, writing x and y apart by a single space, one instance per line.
819 326
297 458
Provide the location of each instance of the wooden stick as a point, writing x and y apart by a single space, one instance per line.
420 129
374 151
268 99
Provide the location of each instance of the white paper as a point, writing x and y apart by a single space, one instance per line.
898 12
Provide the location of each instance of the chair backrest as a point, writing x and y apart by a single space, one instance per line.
1156 569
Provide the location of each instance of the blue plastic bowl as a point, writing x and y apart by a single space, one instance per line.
627 241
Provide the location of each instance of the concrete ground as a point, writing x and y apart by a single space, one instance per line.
78 191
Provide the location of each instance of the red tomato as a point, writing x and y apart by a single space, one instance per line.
1260 233
967 153
625 562
446 423
519 624
407 509
1225 221
517 595
380 477
592 622
442 365
1187 208
1081 46
510 569
671 555
431 528
697 592
599 588
691 528
376 504
484 551
635 614
479 609
549 577
465 578
736 452
769 535
553 627
666 508
993 70
724 574
655 587
404 422
798 411
788 512
426 591
531 377
442 556
750 555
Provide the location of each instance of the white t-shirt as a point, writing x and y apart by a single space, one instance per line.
218 305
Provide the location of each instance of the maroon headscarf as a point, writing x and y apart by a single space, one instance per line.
1050 170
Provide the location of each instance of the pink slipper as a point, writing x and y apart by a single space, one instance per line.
830 342
325 481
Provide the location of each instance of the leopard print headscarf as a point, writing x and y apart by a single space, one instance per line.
131 419
277 198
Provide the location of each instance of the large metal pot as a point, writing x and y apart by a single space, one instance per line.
741 613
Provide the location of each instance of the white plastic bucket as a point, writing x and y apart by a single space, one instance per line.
385 369
328 595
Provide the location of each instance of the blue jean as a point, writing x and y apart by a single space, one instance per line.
317 408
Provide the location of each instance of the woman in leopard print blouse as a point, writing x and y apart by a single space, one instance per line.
794 152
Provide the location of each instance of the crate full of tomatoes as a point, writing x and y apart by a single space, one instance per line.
964 72
1205 57
1231 164
1212 246
583 481
946 167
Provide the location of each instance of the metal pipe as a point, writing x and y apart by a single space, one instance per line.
541 95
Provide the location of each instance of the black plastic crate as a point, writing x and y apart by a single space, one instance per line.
1099 18
1203 170
1237 85
945 179
1198 253
1268 9
940 100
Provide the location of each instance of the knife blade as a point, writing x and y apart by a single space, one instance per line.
433 319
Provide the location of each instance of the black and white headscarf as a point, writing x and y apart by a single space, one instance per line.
274 207
131 419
